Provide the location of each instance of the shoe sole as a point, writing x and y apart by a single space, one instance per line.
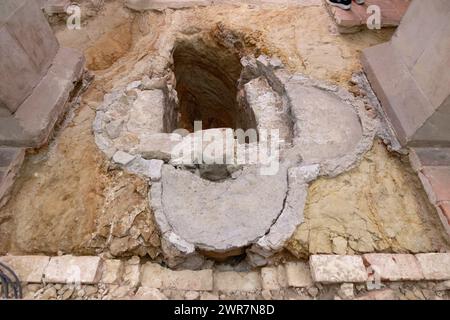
340 5
360 2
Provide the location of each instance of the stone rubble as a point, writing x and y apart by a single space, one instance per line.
115 279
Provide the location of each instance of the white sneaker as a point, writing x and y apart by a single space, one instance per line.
360 1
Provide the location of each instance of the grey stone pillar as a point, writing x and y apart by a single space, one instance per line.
36 75
411 75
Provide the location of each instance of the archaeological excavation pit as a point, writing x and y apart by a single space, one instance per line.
228 209
97 178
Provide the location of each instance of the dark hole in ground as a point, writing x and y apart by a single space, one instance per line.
207 76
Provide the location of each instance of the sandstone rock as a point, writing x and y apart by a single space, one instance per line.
191 295
145 293
237 281
273 278
48 294
298 274
132 274
337 269
208 296
112 271
435 266
29 269
394 267
385 294
347 291
71 269
155 276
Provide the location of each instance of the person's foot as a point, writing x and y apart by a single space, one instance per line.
343 4
360 1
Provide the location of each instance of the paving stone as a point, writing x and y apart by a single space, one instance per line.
72 269
29 269
273 278
436 181
337 269
111 271
435 266
155 276
231 281
394 267
298 274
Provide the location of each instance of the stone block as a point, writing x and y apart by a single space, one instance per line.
231 281
111 271
435 266
155 276
394 267
273 278
298 275
144 293
72 269
29 269
337 269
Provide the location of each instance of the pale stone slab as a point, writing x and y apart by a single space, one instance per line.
394 267
72 269
112 271
435 266
29 269
298 275
273 278
337 269
231 281
155 276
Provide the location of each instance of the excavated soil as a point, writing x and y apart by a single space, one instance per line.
68 199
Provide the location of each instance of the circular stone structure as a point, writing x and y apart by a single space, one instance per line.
222 209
